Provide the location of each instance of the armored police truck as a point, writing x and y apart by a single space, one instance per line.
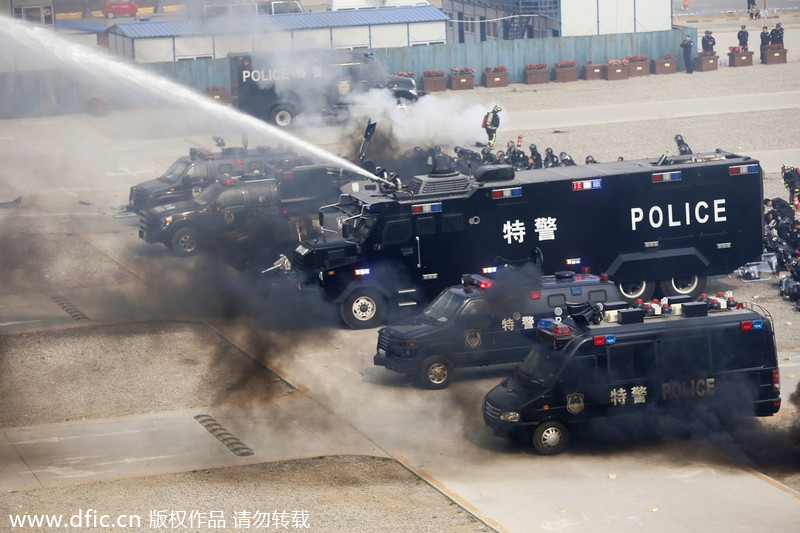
189 175
715 354
668 221
484 321
277 86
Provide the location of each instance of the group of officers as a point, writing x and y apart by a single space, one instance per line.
520 160
768 37
781 215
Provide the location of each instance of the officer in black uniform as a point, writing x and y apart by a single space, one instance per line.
683 148
550 159
780 206
765 37
492 123
535 158
743 37
791 180
776 35
565 160
488 157
590 160
688 60
708 42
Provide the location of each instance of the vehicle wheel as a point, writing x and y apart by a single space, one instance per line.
282 116
634 290
363 309
550 438
186 241
435 372
110 15
683 285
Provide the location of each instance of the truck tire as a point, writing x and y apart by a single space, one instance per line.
636 290
435 372
186 241
110 15
550 438
683 285
363 309
282 115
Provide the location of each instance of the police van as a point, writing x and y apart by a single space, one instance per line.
277 86
668 222
189 175
483 321
637 361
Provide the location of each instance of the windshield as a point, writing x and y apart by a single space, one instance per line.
209 193
444 307
175 171
541 366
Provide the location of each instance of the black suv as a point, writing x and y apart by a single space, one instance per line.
189 175
482 322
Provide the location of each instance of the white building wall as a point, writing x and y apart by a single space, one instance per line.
602 17
389 36
154 50
356 37
305 39
194 47
429 32
225 44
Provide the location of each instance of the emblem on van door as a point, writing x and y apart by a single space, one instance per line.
472 338
196 191
344 88
575 403
228 217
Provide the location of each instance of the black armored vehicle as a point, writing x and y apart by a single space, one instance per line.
189 175
255 211
666 222
484 321
646 362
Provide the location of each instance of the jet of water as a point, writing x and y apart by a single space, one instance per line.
24 46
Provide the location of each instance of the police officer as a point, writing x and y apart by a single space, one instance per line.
743 37
708 42
535 159
794 235
765 38
688 60
565 160
488 157
550 159
590 160
791 180
780 206
683 148
776 35
492 123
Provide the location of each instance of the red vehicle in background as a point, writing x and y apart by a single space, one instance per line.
118 8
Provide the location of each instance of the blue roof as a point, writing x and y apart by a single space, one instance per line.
80 25
278 23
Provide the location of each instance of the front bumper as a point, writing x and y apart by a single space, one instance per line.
404 366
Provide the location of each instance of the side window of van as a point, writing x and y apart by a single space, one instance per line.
255 165
735 349
631 360
475 313
556 300
596 296
397 231
198 170
686 357
226 168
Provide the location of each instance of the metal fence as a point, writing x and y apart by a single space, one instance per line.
39 93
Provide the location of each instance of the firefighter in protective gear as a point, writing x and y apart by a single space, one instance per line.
683 148
535 160
492 123
550 159
791 180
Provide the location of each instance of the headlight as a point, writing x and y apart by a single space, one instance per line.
166 221
510 416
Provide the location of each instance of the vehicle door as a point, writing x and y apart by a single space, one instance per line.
473 334
582 389
507 332
196 178
631 385
229 209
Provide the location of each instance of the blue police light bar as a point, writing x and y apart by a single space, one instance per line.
511 192
585 185
661 177
418 209
743 169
